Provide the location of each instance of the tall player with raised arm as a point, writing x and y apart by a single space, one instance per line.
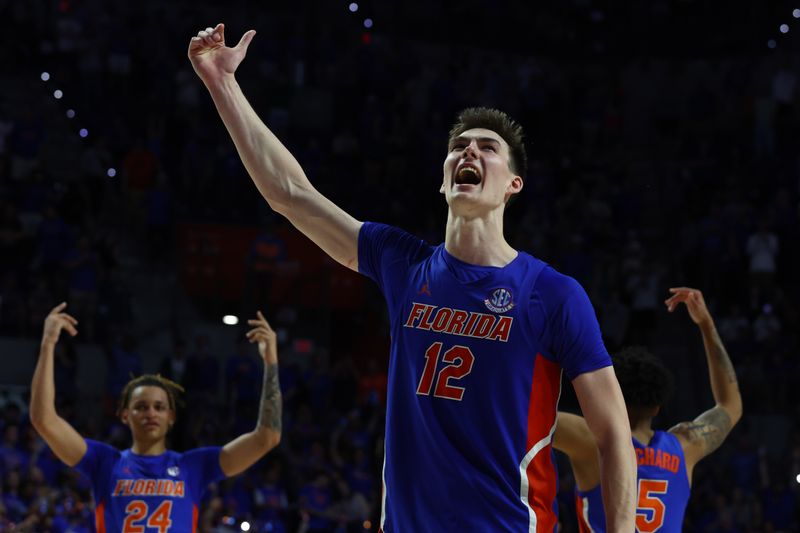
666 459
148 488
480 332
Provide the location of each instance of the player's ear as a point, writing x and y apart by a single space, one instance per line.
124 415
516 185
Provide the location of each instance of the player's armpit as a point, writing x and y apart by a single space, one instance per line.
704 434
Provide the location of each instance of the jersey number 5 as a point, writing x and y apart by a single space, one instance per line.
650 509
459 359
137 510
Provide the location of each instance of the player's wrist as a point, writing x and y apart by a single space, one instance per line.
221 84
48 341
707 325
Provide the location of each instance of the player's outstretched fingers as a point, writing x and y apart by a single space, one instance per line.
244 42
72 330
70 319
58 308
263 320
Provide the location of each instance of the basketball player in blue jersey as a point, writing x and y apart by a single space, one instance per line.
665 458
481 333
149 489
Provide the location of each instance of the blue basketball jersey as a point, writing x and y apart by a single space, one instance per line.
148 494
474 380
663 489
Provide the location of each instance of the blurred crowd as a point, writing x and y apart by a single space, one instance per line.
650 168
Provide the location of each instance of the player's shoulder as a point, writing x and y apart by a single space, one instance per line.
666 439
554 287
685 434
385 236
97 447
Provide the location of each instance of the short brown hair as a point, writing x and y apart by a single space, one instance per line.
150 380
500 123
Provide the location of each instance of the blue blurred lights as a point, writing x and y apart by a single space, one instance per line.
367 23
353 7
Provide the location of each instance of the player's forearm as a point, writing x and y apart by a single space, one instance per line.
722 375
43 388
274 170
269 413
618 479
242 452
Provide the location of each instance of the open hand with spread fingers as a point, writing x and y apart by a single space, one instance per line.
56 321
266 338
694 301
211 58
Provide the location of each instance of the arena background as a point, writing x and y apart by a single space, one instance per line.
663 142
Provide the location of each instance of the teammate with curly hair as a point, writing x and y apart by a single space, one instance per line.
149 488
665 459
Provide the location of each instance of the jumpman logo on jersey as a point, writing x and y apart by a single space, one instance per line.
425 290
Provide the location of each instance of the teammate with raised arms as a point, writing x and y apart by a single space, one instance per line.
666 459
148 488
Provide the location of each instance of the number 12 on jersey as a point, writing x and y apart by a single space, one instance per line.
459 361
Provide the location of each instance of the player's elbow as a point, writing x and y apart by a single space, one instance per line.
40 417
268 439
734 408
274 441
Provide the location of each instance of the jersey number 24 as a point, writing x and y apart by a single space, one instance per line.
137 510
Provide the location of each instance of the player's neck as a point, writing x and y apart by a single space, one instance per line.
478 241
642 431
149 448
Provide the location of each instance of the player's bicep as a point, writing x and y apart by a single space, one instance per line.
704 434
602 405
329 226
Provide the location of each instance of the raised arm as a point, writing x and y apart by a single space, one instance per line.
707 432
604 410
574 438
274 170
243 451
62 438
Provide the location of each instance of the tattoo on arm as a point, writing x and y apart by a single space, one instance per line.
269 414
720 355
709 429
